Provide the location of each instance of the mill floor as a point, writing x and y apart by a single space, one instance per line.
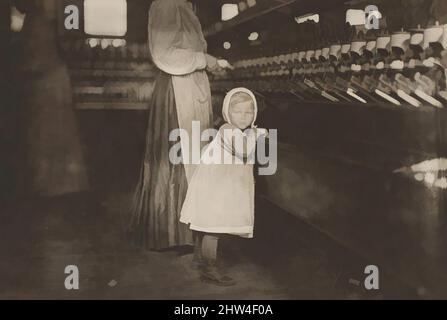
287 259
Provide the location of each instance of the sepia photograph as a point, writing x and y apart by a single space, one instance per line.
250 151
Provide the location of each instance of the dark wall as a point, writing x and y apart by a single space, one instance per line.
113 143
6 103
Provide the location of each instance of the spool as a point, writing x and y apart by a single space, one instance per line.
417 38
400 40
334 50
371 45
432 34
358 47
310 54
345 48
383 42
325 52
444 37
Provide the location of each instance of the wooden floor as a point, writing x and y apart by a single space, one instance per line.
286 260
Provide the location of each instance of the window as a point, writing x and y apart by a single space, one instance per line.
308 17
253 36
355 17
105 17
17 20
229 11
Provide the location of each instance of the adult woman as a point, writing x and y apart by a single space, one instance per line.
181 95
54 163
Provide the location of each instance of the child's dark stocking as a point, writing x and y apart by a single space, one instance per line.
210 272
198 258
209 249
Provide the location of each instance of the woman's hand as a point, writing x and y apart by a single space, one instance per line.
224 64
211 63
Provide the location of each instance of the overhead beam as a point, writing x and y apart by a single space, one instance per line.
255 13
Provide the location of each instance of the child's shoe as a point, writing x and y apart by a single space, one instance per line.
197 262
211 274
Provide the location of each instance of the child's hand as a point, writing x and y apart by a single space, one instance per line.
255 133
261 132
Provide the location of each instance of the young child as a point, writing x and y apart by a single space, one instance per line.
220 197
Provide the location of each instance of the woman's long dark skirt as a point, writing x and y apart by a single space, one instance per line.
162 186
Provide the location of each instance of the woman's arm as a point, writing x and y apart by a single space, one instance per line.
176 40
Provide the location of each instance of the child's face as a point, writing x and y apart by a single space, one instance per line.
242 114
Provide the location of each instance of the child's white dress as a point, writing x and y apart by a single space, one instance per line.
220 197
